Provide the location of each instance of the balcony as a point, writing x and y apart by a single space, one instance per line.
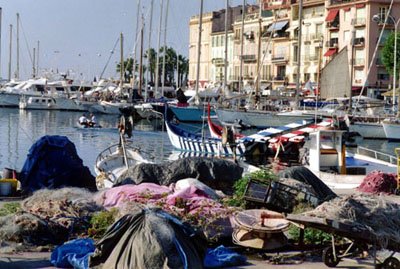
359 41
333 25
317 36
281 34
310 58
279 78
338 2
218 61
279 58
249 58
358 22
332 43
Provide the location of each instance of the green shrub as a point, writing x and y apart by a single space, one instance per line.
100 222
10 208
265 176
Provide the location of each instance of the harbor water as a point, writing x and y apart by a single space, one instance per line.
19 129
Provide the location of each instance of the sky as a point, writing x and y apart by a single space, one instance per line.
79 35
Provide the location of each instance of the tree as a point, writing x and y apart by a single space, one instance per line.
183 69
152 68
388 54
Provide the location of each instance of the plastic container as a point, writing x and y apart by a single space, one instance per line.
5 188
12 182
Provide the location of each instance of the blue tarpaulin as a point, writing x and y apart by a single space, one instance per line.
223 257
73 254
52 163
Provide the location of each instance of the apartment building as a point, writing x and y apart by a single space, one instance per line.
271 40
347 18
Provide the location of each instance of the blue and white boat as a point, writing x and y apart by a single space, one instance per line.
186 141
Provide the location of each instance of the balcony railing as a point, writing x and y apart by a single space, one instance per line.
332 43
338 2
359 21
359 41
281 34
249 58
333 24
218 61
279 78
279 58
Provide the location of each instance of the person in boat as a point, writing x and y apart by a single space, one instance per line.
83 120
93 121
182 99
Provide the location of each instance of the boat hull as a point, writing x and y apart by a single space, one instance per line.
368 130
190 114
392 130
258 119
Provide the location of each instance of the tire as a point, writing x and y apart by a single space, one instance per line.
391 263
328 257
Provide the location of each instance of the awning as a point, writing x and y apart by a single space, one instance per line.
356 88
332 15
277 26
360 5
330 52
291 28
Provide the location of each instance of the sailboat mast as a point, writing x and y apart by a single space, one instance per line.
165 49
135 47
148 50
17 72
352 70
296 98
158 46
1 19
34 63
199 53
241 47
10 55
122 67
141 57
226 46
37 58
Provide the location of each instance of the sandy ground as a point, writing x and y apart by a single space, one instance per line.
29 260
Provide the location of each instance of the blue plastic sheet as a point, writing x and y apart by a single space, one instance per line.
73 254
223 257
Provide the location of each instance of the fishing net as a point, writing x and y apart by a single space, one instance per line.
366 212
70 208
377 182
30 230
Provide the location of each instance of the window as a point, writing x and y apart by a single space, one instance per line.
360 13
318 30
295 49
360 33
358 76
382 74
383 12
346 15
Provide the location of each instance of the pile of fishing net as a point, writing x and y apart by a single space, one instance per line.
49 217
377 182
364 213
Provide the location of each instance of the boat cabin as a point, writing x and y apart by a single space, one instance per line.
327 151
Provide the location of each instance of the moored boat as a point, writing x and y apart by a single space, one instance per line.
391 126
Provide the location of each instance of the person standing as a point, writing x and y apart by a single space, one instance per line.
83 120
